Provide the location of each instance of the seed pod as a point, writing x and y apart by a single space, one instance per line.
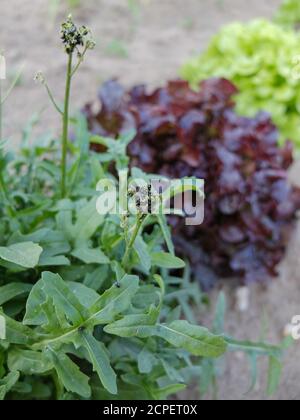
74 37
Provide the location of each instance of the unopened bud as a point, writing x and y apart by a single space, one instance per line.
40 78
91 44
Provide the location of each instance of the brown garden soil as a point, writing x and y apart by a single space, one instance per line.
150 48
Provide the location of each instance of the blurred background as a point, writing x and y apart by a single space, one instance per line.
138 41
147 41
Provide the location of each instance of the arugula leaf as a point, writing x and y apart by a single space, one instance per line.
114 301
101 363
53 242
88 221
142 326
165 260
17 333
28 362
96 279
13 290
7 383
90 256
197 340
69 374
53 286
86 296
24 254
146 361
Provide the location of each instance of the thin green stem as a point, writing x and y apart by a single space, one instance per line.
2 183
130 244
12 86
3 188
80 61
53 100
10 208
65 135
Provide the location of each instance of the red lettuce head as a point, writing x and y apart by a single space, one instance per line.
250 206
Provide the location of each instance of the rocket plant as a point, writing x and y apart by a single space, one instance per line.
90 306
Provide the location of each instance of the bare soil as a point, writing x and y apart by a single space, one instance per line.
149 47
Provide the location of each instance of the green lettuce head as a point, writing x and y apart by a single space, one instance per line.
263 60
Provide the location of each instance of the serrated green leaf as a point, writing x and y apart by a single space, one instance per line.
56 320
63 298
34 314
28 362
197 340
101 363
52 285
69 374
133 326
114 301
